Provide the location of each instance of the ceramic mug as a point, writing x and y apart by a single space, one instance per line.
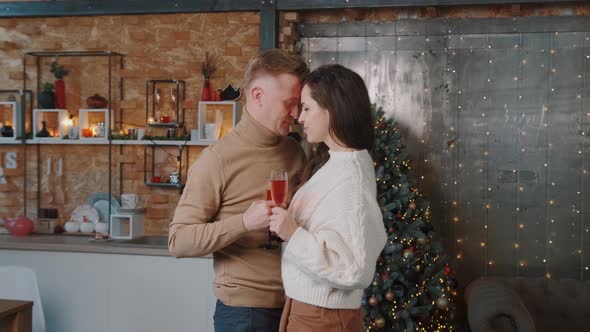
73 132
129 200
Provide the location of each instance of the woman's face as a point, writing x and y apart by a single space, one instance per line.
314 118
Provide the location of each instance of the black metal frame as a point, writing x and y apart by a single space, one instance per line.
150 88
268 9
150 183
38 56
23 95
341 4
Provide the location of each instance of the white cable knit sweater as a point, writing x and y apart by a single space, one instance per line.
331 257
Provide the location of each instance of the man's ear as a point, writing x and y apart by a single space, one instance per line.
256 94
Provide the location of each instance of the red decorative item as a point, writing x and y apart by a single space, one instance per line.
60 94
21 226
207 69
156 179
448 270
217 95
385 276
398 216
206 95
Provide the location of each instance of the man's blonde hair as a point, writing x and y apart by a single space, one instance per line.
273 62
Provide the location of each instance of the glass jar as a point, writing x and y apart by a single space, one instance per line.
100 130
174 178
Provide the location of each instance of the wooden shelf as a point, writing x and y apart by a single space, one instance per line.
164 125
164 184
60 141
9 141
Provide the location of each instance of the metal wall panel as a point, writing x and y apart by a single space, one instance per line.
496 119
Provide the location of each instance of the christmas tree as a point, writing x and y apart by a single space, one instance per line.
413 288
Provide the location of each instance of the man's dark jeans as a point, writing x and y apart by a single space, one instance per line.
245 319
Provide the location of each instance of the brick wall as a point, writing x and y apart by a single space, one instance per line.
155 47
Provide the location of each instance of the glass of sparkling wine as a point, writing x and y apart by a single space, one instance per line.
278 192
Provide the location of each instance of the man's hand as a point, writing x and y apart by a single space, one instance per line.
256 217
282 223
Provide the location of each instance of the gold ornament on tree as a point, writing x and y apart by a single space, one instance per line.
442 302
372 301
412 206
408 253
380 322
389 296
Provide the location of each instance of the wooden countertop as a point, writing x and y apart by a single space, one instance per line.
10 307
69 243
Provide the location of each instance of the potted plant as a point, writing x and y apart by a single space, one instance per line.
60 86
46 98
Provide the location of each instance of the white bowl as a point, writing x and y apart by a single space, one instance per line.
72 227
102 227
86 227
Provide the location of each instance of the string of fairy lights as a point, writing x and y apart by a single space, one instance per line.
585 56
549 201
455 135
548 217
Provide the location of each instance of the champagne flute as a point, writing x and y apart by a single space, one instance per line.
278 192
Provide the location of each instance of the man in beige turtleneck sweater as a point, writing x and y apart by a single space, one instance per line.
222 210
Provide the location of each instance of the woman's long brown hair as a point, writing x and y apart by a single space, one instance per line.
343 93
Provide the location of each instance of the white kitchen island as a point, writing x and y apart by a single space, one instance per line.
116 292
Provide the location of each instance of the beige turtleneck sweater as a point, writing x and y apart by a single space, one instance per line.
226 178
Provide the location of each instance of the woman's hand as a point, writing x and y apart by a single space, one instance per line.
282 223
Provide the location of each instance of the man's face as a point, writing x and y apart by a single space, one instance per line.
280 102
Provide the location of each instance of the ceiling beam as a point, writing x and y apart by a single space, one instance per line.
285 5
121 7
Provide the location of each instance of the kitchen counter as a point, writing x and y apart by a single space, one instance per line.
146 245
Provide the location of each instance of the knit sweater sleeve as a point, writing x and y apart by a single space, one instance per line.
342 251
193 232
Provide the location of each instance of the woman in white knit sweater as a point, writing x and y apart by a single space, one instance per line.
333 229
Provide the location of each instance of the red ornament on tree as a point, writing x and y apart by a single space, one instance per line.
398 216
385 276
448 270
